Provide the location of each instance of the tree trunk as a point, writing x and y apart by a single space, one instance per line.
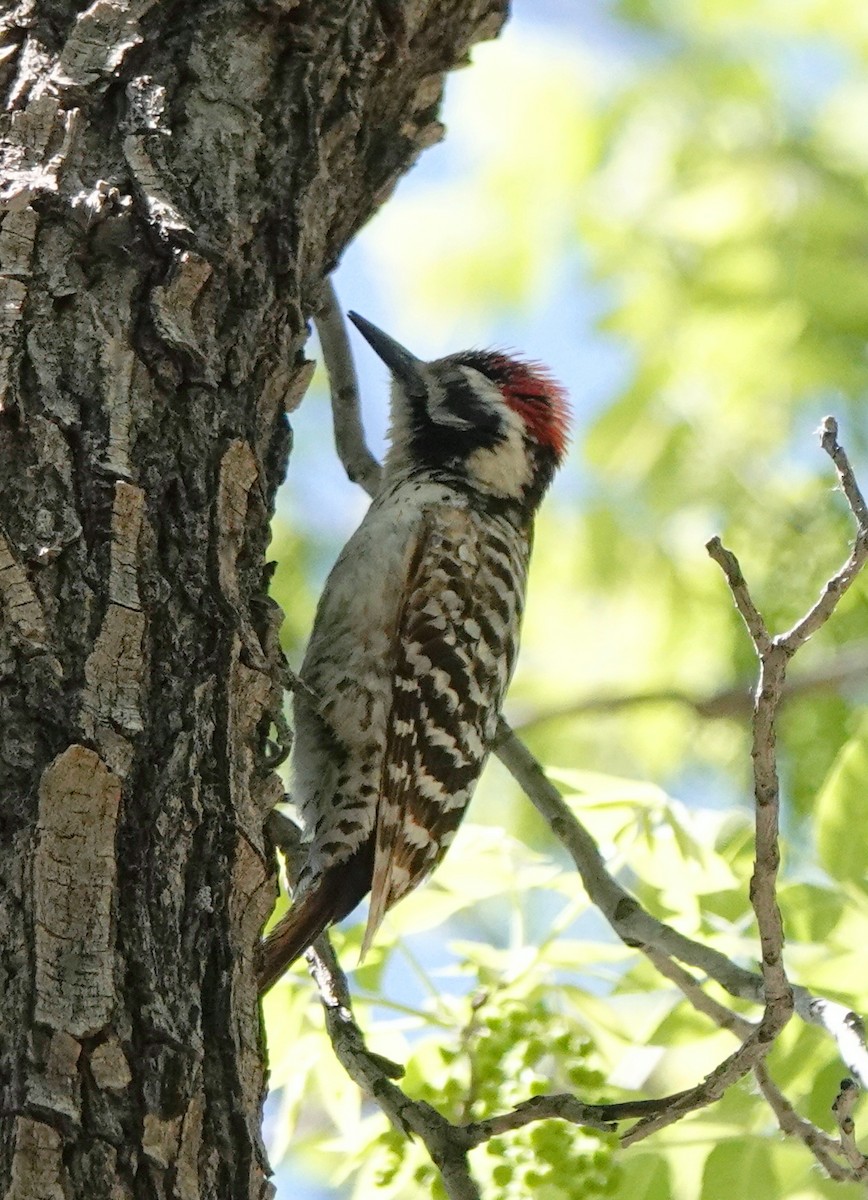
177 179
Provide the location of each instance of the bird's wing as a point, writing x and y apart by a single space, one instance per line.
455 643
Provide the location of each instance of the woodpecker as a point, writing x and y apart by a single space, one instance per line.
416 634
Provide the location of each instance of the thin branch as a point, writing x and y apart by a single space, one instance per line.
849 486
562 1106
729 565
359 463
777 992
843 1109
714 1085
818 1142
738 1064
841 581
763 884
444 1141
699 999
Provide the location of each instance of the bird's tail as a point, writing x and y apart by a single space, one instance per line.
292 935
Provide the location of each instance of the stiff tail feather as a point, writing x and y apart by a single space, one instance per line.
292 935
331 898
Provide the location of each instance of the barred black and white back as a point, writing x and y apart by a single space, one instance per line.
416 635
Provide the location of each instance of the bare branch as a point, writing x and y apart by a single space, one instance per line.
843 1110
778 994
823 1147
763 884
444 1141
849 486
773 658
774 655
749 1054
727 1073
700 1000
352 447
729 565
563 1106
841 581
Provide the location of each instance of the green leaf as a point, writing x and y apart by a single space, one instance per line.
841 812
645 1177
739 1167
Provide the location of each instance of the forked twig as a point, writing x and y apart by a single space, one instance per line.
350 442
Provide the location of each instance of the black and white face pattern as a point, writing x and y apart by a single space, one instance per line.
490 419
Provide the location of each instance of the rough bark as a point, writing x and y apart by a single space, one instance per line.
177 181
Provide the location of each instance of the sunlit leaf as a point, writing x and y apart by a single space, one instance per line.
841 810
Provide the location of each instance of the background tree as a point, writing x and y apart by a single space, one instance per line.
177 181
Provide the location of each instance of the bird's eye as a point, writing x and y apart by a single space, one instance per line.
531 397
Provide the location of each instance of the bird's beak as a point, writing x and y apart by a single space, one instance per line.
406 367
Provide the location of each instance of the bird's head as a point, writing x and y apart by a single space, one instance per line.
487 419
